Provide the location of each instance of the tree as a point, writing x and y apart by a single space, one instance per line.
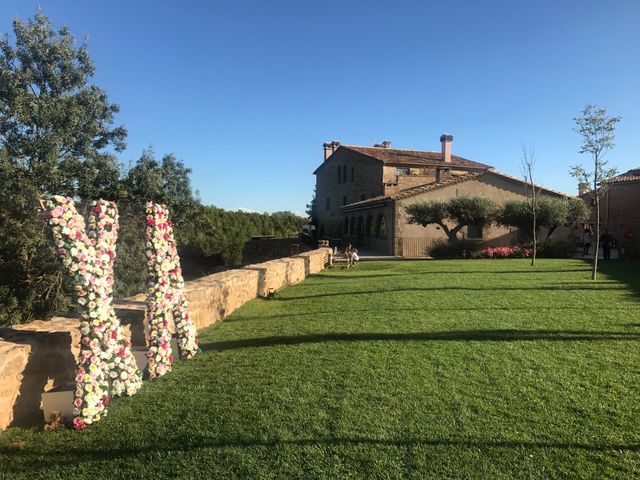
551 213
49 113
597 131
532 193
56 136
461 211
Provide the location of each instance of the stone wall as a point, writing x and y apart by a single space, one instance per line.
39 356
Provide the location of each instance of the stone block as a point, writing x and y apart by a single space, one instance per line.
54 346
273 275
14 359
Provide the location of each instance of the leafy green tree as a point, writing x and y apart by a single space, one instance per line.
56 135
50 114
597 130
551 213
459 211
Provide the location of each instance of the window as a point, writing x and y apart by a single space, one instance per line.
339 174
328 203
352 173
403 171
344 200
474 231
344 173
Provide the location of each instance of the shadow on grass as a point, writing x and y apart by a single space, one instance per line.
626 272
561 287
455 336
347 276
347 309
180 445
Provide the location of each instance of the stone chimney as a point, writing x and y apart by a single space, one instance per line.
583 188
386 144
446 140
329 148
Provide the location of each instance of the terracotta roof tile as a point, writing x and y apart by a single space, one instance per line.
632 175
412 157
410 192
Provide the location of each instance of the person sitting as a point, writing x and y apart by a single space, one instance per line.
354 258
349 254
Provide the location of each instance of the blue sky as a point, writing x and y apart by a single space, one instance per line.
246 92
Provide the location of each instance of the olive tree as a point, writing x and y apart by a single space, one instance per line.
551 213
454 214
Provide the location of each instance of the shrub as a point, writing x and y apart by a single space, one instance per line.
506 252
558 249
457 249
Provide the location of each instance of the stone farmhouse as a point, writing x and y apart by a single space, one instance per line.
620 210
361 193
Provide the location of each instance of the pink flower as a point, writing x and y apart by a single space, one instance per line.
77 402
79 424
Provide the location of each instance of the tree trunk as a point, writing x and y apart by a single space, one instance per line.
535 246
594 269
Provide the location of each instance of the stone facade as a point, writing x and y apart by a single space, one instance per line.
39 356
413 240
346 177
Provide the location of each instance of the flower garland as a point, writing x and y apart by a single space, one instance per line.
123 371
186 330
88 259
165 295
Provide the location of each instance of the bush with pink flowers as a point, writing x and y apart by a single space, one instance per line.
505 252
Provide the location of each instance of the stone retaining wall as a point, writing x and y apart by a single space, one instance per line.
38 356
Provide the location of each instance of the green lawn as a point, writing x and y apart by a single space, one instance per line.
435 369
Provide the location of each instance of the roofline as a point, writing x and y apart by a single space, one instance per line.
365 204
479 166
420 189
539 187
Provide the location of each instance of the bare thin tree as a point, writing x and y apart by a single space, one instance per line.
527 165
597 131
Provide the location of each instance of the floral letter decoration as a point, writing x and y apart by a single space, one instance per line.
166 296
105 355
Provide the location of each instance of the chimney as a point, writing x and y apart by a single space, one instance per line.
446 139
386 144
583 188
329 148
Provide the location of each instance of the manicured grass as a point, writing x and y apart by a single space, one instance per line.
435 369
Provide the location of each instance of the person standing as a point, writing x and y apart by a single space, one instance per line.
606 240
587 239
